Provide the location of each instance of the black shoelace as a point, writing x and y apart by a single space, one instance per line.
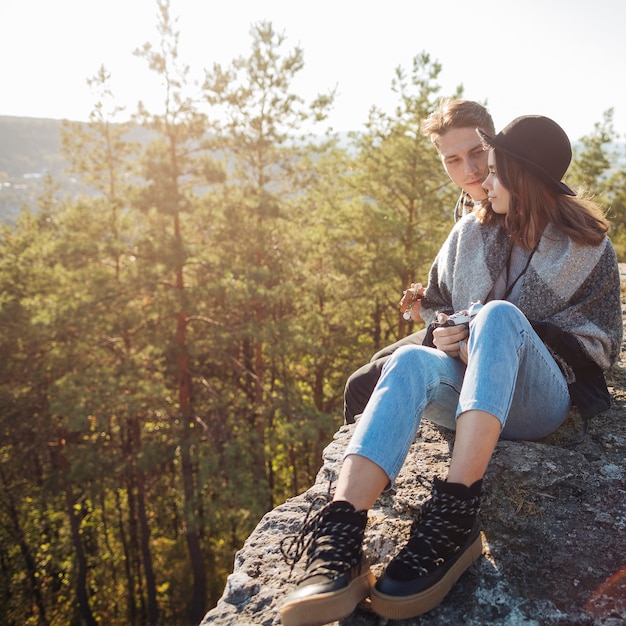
332 545
292 547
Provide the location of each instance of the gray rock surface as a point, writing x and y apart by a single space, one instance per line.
554 531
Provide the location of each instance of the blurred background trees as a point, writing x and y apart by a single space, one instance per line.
175 343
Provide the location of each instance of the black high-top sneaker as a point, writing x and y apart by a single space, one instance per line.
337 577
445 541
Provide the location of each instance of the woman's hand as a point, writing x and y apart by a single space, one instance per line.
451 339
411 302
463 351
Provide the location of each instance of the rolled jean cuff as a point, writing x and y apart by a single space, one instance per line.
384 464
475 405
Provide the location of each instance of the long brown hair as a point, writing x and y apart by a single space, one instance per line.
534 204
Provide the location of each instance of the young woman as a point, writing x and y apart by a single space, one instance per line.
539 261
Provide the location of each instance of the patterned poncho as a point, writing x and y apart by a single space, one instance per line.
570 293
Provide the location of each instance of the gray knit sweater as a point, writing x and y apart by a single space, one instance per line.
567 287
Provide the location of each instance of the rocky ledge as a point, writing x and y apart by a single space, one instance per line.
554 531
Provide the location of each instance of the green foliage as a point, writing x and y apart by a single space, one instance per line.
406 199
598 171
176 343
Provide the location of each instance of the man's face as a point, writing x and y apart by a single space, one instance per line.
464 159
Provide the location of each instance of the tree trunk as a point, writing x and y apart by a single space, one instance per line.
130 579
81 561
29 561
199 595
153 609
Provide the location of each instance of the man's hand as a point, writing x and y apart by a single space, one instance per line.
411 302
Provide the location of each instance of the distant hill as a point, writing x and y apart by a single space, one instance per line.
30 148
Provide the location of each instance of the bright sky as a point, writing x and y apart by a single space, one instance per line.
560 58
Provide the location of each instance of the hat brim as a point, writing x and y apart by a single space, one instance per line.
557 185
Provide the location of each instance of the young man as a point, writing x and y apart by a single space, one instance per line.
452 129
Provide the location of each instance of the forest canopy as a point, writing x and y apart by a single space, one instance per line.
176 341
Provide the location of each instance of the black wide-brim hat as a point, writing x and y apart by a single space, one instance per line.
538 143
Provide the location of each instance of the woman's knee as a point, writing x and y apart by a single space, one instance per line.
415 363
498 313
404 356
499 308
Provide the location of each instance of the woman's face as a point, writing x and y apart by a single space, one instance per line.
498 194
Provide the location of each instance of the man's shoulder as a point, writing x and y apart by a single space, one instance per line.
471 233
468 223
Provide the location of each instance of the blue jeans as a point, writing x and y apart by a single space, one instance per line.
510 374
